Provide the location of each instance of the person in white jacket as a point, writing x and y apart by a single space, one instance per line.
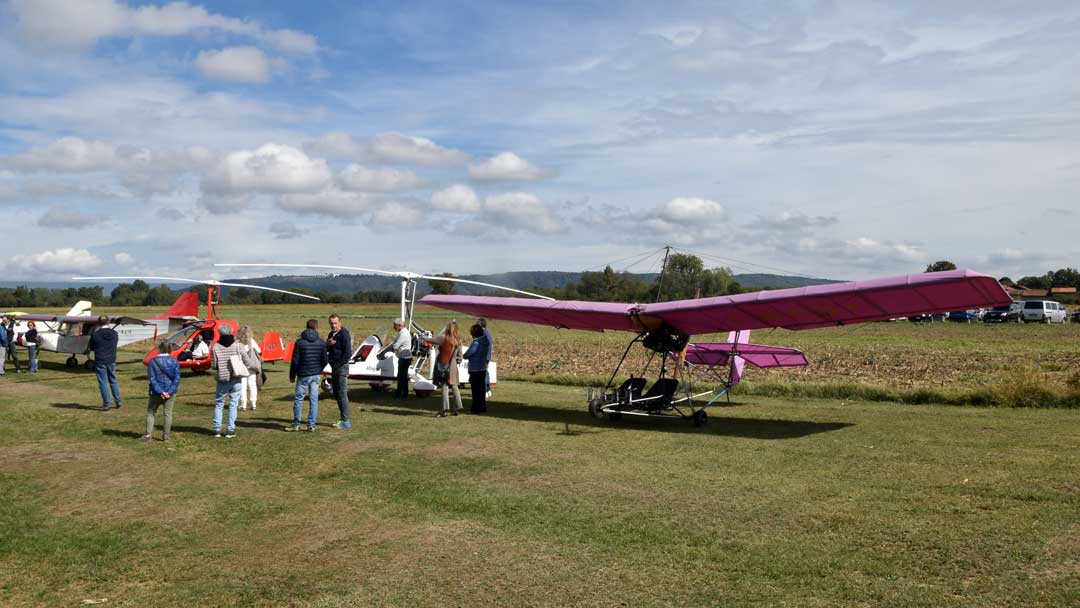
402 349
251 353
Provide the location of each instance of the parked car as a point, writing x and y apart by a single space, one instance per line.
964 316
927 318
1076 316
1043 311
1010 313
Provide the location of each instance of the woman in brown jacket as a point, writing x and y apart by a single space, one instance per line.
449 354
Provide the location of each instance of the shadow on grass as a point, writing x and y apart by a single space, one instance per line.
757 428
119 433
75 406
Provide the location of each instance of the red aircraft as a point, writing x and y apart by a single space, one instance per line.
182 345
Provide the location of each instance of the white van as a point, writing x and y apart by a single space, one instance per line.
1043 311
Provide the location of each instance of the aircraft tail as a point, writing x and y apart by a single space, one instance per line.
273 348
80 309
738 337
187 305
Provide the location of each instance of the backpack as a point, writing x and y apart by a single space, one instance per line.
442 373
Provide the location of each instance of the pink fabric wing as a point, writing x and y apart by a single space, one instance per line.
836 304
758 355
568 314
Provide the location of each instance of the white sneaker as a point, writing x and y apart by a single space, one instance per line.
253 407
243 407
488 395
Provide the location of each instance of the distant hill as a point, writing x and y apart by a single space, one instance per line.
351 283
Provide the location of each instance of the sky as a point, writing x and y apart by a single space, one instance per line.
823 138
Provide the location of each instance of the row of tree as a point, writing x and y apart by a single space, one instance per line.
1062 277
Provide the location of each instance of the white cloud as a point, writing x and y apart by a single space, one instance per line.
331 202
68 155
505 166
225 204
59 217
271 168
236 64
384 179
458 197
80 24
386 148
55 261
396 214
286 230
691 211
124 259
521 211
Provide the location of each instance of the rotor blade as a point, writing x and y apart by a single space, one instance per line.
374 270
396 274
456 280
140 279
197 281
291 293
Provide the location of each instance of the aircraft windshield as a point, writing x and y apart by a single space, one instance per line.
177 340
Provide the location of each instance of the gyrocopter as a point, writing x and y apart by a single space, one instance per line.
181 342
365 366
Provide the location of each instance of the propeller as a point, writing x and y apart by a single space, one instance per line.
211 282
403 274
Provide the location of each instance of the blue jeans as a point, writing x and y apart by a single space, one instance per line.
232 389
309 386
106 381
339 380
31 353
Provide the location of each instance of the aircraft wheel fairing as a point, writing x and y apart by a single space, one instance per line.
71 361
595 408
700 418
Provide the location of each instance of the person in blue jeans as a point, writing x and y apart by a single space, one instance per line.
31 337
228 383
103 344
308 360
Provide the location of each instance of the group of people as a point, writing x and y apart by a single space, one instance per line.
236 362
10 340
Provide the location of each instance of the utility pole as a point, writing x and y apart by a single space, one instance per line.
663 269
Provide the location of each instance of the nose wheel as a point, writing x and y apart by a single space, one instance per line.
71 361
700 418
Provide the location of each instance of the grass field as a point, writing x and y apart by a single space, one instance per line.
808 502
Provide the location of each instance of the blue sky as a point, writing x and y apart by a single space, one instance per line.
835 139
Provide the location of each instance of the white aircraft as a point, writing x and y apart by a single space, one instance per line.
365 366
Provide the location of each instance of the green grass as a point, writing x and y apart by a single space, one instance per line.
827 500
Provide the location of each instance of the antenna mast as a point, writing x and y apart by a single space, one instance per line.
663 269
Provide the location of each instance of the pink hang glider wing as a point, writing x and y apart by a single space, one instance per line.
800 308
567 314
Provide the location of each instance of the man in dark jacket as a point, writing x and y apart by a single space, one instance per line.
3 343
103 343
308 360
338 351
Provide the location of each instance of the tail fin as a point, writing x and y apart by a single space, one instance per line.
187 305
738 337
272 348
80 309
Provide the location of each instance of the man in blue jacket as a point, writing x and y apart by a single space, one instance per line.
103 343
308 360
164 374
338 351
